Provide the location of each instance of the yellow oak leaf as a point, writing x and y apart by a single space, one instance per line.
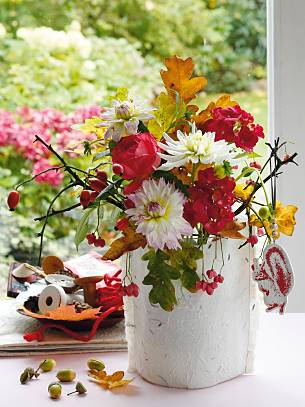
127 243
206 114
231 230
178 78
164 116
109 382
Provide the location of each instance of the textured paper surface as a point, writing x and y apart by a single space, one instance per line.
206 339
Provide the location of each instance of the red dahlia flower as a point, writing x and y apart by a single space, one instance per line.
235 126
211 201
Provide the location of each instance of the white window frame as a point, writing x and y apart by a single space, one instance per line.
286 103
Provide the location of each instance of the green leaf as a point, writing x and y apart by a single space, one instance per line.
82 228
248 155
189 278
160 275
168 176
101 155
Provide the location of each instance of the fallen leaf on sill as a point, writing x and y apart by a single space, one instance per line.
109 382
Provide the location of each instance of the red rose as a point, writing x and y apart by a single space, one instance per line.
138 156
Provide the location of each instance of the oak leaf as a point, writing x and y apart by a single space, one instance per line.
109 382
66 313
206 114
178 78
127 243
165 115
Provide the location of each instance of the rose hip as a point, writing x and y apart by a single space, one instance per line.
101 175
84 198
117 169
13 200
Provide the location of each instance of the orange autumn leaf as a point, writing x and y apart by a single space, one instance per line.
65 313
178 77
231 230
205 115
182 174
127 243
109 382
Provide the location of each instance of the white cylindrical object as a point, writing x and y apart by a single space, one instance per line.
51 297
205 339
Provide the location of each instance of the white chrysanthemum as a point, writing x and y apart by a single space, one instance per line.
195 147
158 214
123 118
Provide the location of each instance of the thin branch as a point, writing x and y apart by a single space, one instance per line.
56 212
37 175
41 234
77 179
280 163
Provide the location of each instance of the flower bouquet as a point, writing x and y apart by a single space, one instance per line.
192 201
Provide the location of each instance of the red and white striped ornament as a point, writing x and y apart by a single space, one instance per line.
274 277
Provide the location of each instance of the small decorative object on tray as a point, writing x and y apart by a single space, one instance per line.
71 299
186 186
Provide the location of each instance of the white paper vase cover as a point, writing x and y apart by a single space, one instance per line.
206 339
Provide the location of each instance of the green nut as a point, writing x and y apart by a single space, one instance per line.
80 388
95 364
66 375
47 365
25 377
54 390
264 212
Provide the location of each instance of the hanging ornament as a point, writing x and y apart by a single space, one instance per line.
274 277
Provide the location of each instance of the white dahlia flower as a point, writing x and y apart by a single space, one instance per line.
195 147
123 118
158 214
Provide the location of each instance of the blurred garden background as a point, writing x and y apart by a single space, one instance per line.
61 59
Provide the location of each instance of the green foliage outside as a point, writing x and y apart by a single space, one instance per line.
70 53
227 38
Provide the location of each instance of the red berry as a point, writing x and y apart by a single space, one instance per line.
211 273
91 238
198 285
209 290
122 224
204 285
129 290
220 278
260 232
13 200
84 198
100 242
216 279
214 285
101 175
135 289
253 239
117 169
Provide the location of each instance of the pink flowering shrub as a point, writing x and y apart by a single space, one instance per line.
18 131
